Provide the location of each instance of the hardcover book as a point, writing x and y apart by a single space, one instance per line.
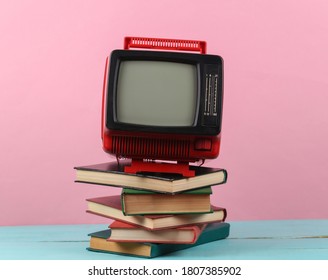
123 232
99 243
112 174
110 207
141 202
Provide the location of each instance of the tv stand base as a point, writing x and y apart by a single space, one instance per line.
151 166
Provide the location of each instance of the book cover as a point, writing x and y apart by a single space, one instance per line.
141 202
112 174
110 207
123 232
99 243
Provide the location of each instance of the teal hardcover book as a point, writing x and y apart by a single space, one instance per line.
99 243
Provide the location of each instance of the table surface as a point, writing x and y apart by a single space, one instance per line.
251 240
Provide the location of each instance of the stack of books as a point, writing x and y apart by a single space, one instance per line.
156 213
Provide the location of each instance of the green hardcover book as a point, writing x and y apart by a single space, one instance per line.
99 243
141 202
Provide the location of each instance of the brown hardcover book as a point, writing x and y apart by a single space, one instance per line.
110 207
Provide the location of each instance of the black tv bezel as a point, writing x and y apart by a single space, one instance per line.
201 126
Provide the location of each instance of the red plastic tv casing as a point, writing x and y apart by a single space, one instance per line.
139 146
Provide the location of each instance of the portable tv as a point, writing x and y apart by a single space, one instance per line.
162 104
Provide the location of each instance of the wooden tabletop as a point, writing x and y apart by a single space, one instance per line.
251 240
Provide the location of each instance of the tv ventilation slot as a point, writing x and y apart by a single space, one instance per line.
165 44
129 146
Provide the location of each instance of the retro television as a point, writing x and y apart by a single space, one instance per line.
162 101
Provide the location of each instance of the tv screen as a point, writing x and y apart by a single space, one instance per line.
163 92
157 93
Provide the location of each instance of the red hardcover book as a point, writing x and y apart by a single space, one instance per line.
123 232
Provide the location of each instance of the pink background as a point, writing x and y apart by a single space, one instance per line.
275 125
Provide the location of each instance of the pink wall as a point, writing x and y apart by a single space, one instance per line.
275 126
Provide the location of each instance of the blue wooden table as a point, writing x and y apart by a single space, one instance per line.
254 240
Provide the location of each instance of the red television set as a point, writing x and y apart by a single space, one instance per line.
162 103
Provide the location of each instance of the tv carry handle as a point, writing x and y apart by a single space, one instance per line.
139 165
